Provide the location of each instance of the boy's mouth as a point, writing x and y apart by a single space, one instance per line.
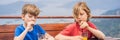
32 24
79 21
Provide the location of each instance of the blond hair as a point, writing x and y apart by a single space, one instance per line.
84 7
31 9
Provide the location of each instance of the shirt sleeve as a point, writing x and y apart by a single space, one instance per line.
17 31
92 25
40 29
67 30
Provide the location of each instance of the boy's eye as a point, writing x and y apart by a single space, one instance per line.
81 14
30 16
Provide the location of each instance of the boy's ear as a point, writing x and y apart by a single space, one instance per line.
22 16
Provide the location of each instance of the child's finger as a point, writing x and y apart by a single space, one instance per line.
81 22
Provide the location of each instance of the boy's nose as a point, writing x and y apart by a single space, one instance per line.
33 18
79 17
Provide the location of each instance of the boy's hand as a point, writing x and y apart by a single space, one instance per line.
83 24
30 25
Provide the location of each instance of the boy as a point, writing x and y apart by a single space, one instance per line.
29 30
82 28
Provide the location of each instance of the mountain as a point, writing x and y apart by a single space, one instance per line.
110 26
112 12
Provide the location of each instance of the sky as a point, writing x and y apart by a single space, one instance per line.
55 7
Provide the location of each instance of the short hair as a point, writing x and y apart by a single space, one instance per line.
31 9
84 7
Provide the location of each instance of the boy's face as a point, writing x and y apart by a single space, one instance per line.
29 18
82 16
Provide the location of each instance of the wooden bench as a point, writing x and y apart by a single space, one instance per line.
7 31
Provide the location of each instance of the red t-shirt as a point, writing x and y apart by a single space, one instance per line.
74 30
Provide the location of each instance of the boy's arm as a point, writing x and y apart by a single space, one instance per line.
22 35
63 37
97 33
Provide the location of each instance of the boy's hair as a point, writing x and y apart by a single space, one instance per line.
83 6
31 9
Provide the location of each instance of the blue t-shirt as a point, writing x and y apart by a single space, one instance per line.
31 35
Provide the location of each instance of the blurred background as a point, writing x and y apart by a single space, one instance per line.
110 26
